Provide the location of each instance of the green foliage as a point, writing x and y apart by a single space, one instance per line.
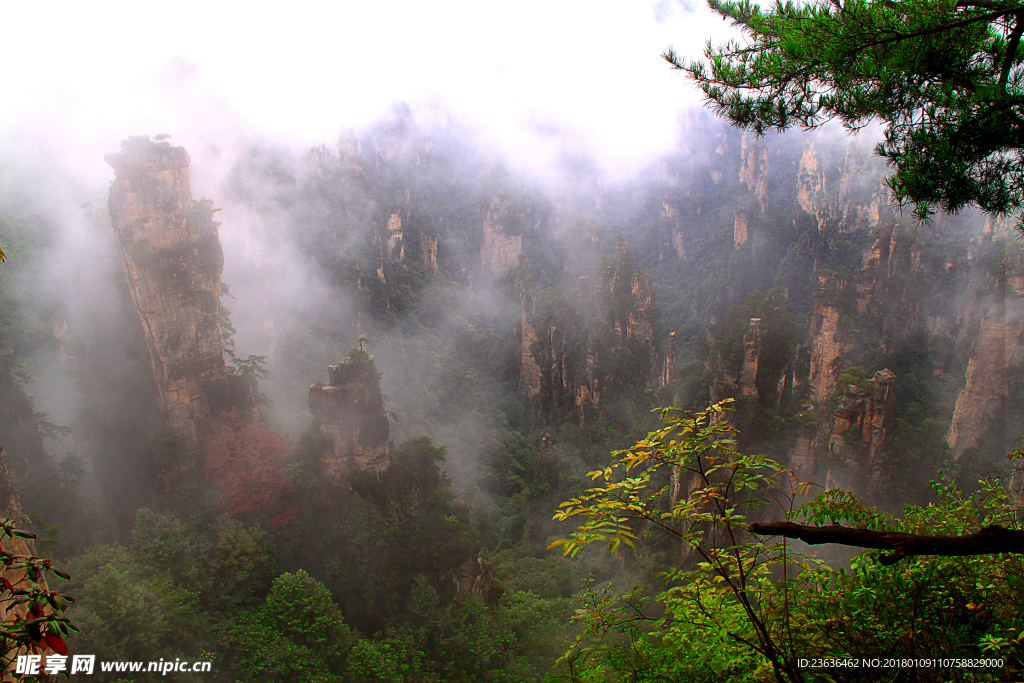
252 365
382 531
302 608
941 604
145 600
737 608
855 375
730 571
226 565
359 356
298 634
203 590
127 611
944 77
464 643
33 617
622 643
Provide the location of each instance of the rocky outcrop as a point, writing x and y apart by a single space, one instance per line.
826 350
668 370
395 248
428 252
751 357
589 391
877 304
863 194
348 412
856 198
810 182
753 365
997 352
858 431
625 293
753 174
641 319
529 371
570 354
474 577
406 241
670 211
740 228
10 508
503 223
172 262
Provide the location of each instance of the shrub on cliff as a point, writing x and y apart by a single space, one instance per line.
245 460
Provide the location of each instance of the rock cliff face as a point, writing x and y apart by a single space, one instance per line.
348 412
529 371
997 352
641 322
826 350
881 282
748 359
863 194
503 240
428 252
875 306
407 241
858 432
173 262
870 311
751 358
754 176
395 244
811 192
849 191
474 577
938 305
571 356
668 368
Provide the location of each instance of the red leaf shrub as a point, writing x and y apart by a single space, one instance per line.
56 643
246 460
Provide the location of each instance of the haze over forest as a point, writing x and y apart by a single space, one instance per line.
311 319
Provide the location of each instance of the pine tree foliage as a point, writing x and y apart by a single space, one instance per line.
944 78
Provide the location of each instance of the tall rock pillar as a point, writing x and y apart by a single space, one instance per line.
173 263
349 414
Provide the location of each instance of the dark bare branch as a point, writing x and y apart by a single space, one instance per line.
962 4
991 539
1011 48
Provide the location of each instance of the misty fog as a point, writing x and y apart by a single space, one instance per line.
306 406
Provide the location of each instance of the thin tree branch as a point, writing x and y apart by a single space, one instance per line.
976 3
991 539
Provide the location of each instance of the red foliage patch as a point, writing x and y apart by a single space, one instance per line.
246 460
56 643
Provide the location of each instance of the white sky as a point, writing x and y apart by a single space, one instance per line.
83 75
